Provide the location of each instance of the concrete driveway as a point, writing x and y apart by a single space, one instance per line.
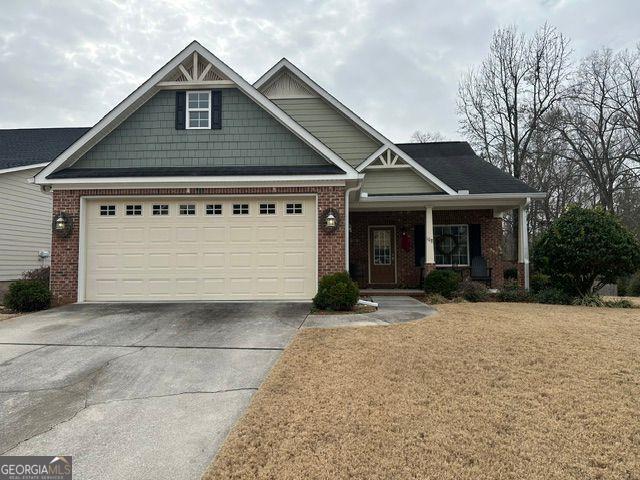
135 390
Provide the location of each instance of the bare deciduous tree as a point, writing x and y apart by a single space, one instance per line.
425 136
503 102
593 125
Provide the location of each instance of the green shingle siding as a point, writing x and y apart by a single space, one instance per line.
249 136
330 127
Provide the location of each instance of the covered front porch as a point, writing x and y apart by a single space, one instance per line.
396 248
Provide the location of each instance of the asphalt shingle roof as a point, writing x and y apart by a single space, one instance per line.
244 170
457 165
31 146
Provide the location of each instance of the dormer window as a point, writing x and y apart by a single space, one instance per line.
198 110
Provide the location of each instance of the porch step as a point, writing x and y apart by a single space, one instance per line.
390 291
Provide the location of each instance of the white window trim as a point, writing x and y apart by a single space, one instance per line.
450 265
208 110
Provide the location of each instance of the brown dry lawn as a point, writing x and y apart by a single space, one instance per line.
480 391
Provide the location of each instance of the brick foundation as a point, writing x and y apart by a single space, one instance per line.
64 251
409 274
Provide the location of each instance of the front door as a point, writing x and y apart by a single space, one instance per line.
382 255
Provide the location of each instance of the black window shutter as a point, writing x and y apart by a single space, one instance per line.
181 110
216 109
418 241
475 242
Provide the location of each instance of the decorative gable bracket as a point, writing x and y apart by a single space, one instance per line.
387 159
195 72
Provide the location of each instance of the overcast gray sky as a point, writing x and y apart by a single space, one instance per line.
395 63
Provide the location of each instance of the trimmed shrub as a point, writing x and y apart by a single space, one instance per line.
510 273
539 282
444 282
28 296
434 299
473 291
584 249
336 292
592 300
39 274
511 292
633 289
553 296
620 303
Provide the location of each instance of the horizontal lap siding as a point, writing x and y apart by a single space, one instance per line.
249 136
25 216
395 181
330 127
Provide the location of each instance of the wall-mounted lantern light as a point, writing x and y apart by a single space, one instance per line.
331 220
62 224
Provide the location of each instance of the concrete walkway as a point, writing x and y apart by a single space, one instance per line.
391 309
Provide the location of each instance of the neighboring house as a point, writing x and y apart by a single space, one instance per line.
201 186
25 211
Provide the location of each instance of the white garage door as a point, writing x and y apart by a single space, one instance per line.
200 248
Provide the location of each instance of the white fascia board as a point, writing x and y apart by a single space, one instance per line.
202 180
22 167
433 199
284 63
148 88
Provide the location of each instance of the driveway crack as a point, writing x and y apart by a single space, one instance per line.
94 373
194 392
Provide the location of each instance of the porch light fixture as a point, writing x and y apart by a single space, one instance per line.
331 220
62 224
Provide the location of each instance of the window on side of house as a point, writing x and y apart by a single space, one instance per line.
198 110
241 209
107 210
133 210
293 208
160 209
214 209
267 209
187 209
451 245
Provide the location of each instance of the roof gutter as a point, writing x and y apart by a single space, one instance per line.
452 198
346 221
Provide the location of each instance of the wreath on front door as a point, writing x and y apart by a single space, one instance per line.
442 244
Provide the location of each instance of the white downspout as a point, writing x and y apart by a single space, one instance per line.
346 222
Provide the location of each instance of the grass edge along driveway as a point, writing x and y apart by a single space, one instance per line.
490 390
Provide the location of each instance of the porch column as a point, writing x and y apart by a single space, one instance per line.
430 253
523 245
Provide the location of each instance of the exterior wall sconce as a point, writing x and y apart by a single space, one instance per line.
331 220
62 224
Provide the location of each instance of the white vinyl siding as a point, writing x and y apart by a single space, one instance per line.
398 181
25 216
331 128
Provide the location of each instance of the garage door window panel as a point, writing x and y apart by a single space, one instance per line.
187 209
160 209
213 209
134 210
294 208
241 209
107 210
267 209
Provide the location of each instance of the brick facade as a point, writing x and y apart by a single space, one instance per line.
408 274
64 251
